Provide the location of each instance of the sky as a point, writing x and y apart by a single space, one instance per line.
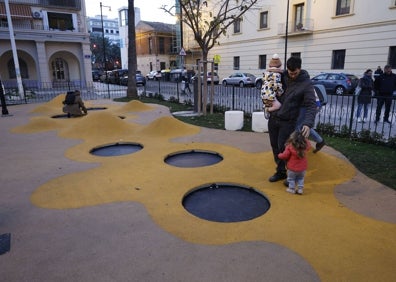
149 9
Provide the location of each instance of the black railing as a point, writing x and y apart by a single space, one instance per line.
339 113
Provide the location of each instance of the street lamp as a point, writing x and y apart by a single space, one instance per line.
104 46
287 28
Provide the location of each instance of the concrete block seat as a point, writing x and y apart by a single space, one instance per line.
259 122
233 120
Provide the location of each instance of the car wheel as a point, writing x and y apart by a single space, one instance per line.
340 90
224 83
241 84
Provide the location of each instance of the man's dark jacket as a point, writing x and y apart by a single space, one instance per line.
299 93
386 84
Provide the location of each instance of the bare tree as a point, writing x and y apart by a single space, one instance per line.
132 60
209 20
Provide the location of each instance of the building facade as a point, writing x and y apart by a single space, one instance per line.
110 27
330 36
51 40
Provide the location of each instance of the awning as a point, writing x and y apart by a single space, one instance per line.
17 11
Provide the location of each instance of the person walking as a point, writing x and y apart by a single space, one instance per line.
281 123
366 86
296 160
385 85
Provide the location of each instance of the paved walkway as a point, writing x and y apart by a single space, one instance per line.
78 217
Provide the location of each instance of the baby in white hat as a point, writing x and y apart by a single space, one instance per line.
272 86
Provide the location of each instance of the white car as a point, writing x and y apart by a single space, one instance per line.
215 77
154 75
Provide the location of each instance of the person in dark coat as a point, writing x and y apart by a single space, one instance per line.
366 85
385 85
76 108
299 92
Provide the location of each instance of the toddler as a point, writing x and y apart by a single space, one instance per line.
272 86
296 161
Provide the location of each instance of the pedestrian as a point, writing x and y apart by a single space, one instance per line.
385 85
272 86
294 154
281 123
186 84
313 134
73 104
378 72
366 87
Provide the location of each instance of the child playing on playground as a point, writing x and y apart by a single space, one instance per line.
296 161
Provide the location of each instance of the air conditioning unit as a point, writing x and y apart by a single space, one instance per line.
37 14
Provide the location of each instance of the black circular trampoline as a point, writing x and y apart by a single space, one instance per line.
193 158
116 149
226 203
96 108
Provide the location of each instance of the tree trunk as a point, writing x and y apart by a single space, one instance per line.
132 61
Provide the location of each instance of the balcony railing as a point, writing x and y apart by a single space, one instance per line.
34 26
296 28
67 4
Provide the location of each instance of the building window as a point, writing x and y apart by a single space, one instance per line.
59 69
237 25
236 63
338 59
150 45
161 43
392 56
296 54
264 19
343 7
60 21
298 17
262 62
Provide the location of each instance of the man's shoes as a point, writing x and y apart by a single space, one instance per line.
387 121
376 121
277 177
286 183
319 146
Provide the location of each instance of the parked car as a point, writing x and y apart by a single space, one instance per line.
154 75
337 83
240 78
116 75
140 80
215 77
259 81
103 77
96 75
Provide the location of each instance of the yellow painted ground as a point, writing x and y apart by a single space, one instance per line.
340 244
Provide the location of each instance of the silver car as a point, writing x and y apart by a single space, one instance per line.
240 78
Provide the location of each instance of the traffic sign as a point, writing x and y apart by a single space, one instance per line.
182 52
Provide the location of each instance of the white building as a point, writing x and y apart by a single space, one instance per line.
51 39
329 35
110 27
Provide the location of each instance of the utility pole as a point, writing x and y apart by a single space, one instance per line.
14 50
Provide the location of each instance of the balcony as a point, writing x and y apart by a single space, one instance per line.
296 28
61 4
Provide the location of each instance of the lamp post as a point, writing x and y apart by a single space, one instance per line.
104 46
287 30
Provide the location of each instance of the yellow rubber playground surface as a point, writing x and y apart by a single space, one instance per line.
342 229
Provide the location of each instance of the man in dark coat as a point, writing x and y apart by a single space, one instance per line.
385 85
281 123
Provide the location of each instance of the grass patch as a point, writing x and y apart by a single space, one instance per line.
375 161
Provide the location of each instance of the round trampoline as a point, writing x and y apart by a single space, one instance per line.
193 158
226 203
116 149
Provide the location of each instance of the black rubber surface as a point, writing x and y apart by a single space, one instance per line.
116 149
226 203
193 158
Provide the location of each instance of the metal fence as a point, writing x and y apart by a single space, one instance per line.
339 112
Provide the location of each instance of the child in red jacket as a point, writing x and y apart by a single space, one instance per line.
295 156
